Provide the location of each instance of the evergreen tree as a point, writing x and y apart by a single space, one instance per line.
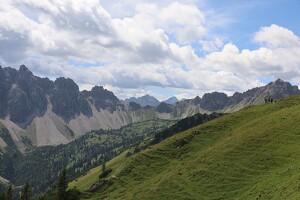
9 193
62 185
73 194
2 196
26 193
41 197
103 167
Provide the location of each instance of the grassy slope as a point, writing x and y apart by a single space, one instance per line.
147 128
250 154
84 182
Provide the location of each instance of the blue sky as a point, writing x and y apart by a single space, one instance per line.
249 16
163 48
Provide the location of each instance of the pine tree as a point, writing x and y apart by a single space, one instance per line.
103 167
2 196
26 193
62 185
9 193
41 197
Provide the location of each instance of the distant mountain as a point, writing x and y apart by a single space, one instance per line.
171 100
218 101
38 112
146 100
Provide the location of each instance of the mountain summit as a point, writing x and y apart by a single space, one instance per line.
171 100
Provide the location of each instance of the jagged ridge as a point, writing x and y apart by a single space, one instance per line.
49 112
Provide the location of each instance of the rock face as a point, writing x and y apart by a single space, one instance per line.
22 95
164 108
146 100
37 111
66 100
214 101
103 99
134 106
49 112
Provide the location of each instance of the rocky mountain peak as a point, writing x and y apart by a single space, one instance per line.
280 89
24 71
23 68
66 84
279 81
171 100
196 100
97 89
214 101
102 98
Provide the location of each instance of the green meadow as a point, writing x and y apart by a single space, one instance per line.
250 154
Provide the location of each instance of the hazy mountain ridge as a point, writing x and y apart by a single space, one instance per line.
171 100
145 100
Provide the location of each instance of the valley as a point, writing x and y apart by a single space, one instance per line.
78 156
149 100
46 126
40 112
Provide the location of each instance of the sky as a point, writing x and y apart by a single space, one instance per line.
163 48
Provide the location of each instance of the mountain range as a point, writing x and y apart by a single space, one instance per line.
145 100
38 112
148 100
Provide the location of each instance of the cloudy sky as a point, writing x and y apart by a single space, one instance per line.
163 48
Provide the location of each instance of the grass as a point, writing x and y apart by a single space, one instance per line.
251 154
147 128
84 182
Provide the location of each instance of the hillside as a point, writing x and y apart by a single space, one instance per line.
251 154
80 155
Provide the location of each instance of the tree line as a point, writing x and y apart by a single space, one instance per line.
59 192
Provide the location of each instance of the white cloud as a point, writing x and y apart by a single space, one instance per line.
152 45
186 21
212 45
275 36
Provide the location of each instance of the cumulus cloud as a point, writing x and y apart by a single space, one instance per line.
275 36
185 21
153 44
212 45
